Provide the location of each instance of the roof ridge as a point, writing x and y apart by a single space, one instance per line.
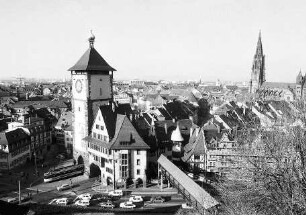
117 130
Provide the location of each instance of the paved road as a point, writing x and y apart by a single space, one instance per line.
85 186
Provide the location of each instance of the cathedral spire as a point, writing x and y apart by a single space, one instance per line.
258 67
259 51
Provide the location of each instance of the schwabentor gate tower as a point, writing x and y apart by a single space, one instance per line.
92 80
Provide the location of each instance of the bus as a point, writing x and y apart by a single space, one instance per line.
64 172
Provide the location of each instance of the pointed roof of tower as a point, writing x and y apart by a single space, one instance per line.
299 78
259 45
176 134
91 60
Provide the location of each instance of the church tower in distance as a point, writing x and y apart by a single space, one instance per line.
258 68
92 87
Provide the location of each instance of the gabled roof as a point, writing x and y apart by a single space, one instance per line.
122 133
91 61
109 118
198 147
126 133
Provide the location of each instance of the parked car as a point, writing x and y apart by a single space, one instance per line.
62 201
13 200
127 205
157 199
136 199
201 178
53 201
63 187
82 202
190 175
187 206
107 204
98 197
85 196
116 193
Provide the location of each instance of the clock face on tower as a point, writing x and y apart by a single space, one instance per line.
78 86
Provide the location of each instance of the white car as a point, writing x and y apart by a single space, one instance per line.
62 201
53 201
82 202
190 175
201 178
136 199
187 206
115 193
85 196
128 205
63 187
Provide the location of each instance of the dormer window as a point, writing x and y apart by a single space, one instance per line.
124 143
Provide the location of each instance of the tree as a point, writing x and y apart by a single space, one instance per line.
271 174
202 113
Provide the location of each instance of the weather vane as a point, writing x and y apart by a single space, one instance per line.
91 40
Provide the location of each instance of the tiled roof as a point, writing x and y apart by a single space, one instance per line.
109 119
280 85
126 133
201 196
13 136
161 134
124 136
196 146
65 120
165 113
91 60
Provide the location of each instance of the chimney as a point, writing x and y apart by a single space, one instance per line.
173 120
191 119
243 110
166 128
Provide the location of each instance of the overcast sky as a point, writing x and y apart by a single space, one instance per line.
154 39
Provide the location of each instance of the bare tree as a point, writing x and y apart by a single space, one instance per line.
269 176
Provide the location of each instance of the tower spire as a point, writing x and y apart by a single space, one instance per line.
258 68
259 45
91 40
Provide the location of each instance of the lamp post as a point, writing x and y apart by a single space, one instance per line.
115 158
35 162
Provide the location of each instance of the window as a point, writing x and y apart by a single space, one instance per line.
79 108
97 126
99 136
105 138
102 127
138 171
138 162
138 152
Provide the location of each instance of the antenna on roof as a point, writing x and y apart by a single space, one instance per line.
91 40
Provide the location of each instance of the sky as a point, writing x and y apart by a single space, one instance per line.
154 39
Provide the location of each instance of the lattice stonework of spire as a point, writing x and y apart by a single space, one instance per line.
258 68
